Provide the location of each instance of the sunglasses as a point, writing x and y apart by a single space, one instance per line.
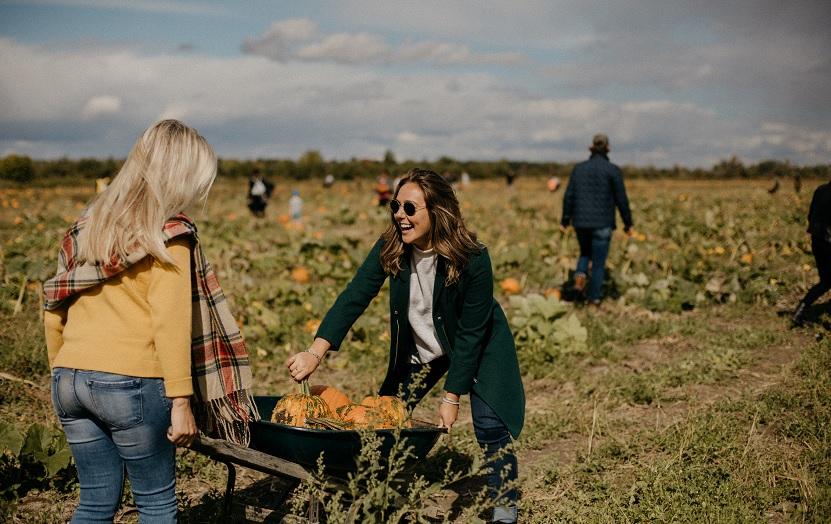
409 207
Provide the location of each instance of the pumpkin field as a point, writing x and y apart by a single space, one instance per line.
685 397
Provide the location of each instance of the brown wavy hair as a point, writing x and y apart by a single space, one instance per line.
449 236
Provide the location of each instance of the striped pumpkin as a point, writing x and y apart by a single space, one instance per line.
294 409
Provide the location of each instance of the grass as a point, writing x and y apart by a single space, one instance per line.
718 414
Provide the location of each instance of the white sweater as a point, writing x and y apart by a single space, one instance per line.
420 314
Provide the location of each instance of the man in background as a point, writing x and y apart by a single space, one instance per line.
594 189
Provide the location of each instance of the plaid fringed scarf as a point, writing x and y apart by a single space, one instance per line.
223 404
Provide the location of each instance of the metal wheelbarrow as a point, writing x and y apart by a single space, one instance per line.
291 452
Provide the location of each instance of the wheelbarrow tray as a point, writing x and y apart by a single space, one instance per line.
340 448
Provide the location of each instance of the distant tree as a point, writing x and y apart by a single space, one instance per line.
17 168
91 168
389 160
62 167
310 165
732 168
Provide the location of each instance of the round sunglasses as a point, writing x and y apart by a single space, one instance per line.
410 208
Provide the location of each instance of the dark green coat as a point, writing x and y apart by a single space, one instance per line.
471 327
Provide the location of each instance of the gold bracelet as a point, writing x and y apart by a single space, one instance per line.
450 401
313 354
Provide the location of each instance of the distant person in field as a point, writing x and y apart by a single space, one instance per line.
328 180
797 183
383 191
594 189
101 184
133 354
443 320
465 179
819 227
553 184
259 192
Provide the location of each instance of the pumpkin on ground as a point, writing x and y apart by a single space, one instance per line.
301 275
511 286
333 397
294 409
553 292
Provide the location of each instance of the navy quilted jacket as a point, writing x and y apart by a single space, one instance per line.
594 189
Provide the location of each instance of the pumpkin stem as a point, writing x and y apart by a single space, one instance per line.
304 387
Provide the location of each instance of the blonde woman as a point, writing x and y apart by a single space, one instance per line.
443 320
132 353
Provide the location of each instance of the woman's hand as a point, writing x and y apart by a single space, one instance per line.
303 364
182 430
448 410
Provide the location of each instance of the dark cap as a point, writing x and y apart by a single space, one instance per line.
600 141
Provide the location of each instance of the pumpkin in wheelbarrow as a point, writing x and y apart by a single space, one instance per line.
392 410
357 416
293 410
337 447
333 397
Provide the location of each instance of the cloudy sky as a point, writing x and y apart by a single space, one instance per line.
671 82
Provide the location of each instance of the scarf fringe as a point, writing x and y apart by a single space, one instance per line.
228 417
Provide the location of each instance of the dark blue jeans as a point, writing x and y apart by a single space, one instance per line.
594 246
112 422
490 431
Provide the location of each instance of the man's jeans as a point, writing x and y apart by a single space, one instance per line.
594 246
112 421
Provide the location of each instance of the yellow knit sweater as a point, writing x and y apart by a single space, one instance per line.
138 323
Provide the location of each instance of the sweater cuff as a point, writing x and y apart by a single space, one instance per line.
180 387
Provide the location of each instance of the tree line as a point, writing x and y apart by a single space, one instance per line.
311 165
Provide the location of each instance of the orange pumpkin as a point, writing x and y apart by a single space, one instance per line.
358 416
392 410
553 292
301 275
511 286
333 397
293 410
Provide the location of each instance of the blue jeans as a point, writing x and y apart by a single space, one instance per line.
594 246
491 433
493 436
112 422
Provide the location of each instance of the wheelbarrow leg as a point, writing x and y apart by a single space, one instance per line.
228 501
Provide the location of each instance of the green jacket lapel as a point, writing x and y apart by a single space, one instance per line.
438 285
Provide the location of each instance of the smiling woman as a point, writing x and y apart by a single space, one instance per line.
412 218
443 319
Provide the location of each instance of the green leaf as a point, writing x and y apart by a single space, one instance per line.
58 461
10 438
33 443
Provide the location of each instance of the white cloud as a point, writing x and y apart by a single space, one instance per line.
249 107
101 105
276 43
407 137
345 48
444 53
299 39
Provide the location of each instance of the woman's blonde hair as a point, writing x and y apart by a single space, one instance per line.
170 167
449 236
